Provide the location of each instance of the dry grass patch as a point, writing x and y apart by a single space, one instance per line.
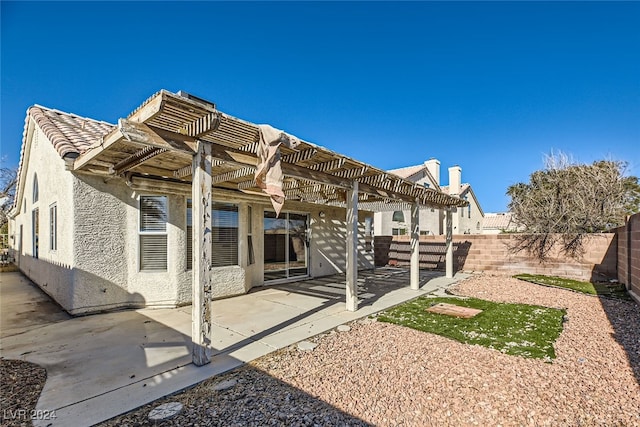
515 329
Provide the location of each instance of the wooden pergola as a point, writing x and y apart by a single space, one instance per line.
180 144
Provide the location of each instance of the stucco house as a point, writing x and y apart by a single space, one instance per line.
180 203
466 220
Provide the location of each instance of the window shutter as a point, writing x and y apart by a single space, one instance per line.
153 213
153 233
224 238
153 252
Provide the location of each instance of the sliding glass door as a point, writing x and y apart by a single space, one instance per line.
286 246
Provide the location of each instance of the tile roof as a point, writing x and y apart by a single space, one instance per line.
408 171
70 134
498 221
463 187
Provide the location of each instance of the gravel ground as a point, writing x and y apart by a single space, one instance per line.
20 386
388 375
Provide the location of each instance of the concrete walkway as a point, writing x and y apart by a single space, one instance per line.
102 365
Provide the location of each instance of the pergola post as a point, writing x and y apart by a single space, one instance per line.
415 247
201 279
352 248
449 243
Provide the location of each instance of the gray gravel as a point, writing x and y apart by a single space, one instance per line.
388 375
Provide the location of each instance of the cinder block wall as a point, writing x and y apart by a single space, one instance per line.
629 255
492 253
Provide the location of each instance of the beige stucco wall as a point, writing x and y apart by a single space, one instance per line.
106 249
96 264
466 224
430 220
52 269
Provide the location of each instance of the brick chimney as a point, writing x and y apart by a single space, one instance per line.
433 166
455 180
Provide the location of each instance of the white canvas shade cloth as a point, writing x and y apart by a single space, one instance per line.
269 174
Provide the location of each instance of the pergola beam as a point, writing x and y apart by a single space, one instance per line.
242 158
200 126
299 156
234 174
136 159
328 166
352 173
379 185
154 137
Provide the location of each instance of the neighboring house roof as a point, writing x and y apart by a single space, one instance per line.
498 221
410 171
463 188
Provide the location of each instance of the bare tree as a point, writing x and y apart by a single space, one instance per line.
8 180
566 201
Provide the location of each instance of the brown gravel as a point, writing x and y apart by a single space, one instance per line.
20 386
388 375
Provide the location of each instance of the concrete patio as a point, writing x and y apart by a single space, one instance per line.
103 365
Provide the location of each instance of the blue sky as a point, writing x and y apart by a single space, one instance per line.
491 87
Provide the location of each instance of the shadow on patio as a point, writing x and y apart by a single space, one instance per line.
105 364
280 315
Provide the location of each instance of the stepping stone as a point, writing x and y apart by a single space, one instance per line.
224 385
344 328
165 411
454 310
306 345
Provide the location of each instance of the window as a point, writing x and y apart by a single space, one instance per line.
53 227
424 232
478 225
398 216
35 229
153 233
224 234
189 235
398 231
466 198
35 188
